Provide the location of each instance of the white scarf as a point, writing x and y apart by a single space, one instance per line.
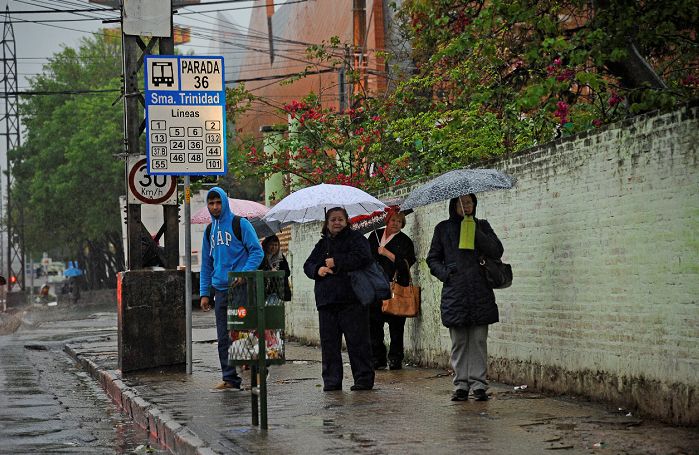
385 239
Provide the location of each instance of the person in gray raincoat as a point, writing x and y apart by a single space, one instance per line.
468 303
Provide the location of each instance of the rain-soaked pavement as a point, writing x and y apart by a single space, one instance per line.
409 411
48 404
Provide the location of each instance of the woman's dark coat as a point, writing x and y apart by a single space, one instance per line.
404 250
283 267
466 297
350 250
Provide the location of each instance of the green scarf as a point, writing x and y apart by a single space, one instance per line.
467 235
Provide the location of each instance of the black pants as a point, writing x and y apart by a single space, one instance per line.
396 326
352 321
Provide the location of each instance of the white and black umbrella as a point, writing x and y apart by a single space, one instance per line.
310 204
457 183
372 221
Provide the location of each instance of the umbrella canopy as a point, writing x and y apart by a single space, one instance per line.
370 222
253 211
310 204
457 183
240 207
263 228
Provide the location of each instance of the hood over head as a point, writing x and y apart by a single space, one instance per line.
226 212
454 201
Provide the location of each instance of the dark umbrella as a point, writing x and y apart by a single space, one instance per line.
263 228
457 183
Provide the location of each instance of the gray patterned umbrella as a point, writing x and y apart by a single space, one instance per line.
457 183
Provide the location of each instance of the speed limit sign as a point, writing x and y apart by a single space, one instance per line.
149 189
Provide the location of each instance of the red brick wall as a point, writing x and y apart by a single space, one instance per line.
313 21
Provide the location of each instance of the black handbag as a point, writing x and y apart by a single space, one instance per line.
370 284
497 274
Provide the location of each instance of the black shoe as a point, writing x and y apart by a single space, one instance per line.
459 395
361 387
395 366
480 395
379 366
331 388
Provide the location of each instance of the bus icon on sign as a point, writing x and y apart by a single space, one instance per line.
162 74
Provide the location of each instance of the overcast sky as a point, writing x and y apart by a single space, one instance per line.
37 41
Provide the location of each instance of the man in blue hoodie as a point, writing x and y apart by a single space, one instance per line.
223 250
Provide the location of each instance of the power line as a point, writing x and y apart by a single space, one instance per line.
233 81
110 9
233 9
51 11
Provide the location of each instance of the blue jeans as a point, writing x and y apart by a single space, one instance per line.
224 340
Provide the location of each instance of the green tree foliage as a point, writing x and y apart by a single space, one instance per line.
67 178
545 68
492 78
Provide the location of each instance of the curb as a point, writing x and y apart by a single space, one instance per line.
162 427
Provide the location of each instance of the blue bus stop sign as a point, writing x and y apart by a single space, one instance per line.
185 115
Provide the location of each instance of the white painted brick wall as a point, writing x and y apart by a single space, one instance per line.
602 234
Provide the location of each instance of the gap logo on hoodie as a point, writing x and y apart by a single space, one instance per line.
222 238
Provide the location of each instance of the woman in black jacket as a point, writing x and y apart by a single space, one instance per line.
339 251
468 303
395 253
275 260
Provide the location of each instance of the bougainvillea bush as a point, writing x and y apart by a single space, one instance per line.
492 78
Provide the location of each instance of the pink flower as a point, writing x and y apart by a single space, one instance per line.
597 123
690 80
562 111
565 75
615 99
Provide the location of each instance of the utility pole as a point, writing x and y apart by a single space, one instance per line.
359 86
15 230
134 51
342 82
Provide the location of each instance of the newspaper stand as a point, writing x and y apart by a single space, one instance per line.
256 324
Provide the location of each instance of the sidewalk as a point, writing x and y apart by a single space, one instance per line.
409 411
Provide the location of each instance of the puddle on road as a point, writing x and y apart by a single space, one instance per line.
129 438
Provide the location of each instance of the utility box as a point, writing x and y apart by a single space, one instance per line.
151 319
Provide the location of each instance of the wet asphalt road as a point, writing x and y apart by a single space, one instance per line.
47 403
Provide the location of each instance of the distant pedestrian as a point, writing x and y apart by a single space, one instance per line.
74 286
468 303
275 260
45 295
223 250
339 251
395 253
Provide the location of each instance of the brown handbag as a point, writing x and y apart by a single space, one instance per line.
405 300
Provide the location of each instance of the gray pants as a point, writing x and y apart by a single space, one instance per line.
469 356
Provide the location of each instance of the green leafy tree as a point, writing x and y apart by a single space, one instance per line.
491 78
67 177
544 68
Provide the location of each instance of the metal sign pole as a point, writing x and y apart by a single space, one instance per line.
188 270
